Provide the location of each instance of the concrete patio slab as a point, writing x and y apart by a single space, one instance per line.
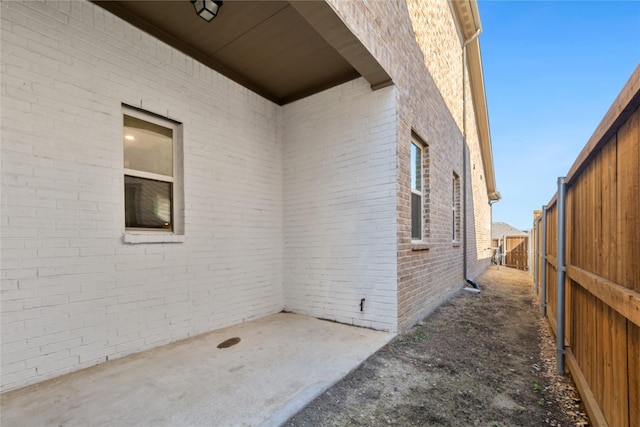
280 364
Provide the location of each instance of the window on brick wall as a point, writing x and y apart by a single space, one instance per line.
419 190
152 179
455 208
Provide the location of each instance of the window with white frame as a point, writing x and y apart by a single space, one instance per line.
151 174
417 187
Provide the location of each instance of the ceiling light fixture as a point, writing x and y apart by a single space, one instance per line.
207 9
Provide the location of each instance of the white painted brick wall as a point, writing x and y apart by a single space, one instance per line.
73 294
340 205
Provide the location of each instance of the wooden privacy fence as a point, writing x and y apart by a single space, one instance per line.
600 275
513 251
517 252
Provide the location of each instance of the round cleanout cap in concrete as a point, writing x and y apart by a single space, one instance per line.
230 342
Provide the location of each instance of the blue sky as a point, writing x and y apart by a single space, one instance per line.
552 69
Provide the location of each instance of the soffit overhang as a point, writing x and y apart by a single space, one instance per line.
281 50
468 19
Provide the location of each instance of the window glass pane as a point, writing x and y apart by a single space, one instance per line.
147 203
453 194
147 147
416 167
416 226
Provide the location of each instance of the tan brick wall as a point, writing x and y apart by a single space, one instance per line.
437 37
418 44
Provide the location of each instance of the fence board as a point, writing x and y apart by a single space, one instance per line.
540 256
551 294
615 406
576 197
584 335
629 201
588 398
602 356
552 227
570 296
633 336
594 213
579 340
610 206
601 217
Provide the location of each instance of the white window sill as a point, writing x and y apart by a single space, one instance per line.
455 243
137 238
417 245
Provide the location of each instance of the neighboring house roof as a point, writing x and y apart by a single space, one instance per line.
500 229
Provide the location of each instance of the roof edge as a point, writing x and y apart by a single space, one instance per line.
467 16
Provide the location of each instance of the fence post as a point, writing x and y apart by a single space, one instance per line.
543 267
535 244
504 250
561 270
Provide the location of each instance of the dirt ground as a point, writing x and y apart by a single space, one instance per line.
480 359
